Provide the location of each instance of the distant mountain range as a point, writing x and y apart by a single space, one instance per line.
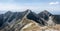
10 20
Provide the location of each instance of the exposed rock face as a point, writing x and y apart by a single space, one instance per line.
50 22
56 19
28 21
44 14
10 18
1 20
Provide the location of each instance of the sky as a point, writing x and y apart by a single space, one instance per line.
52 6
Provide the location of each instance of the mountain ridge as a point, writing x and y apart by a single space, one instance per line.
10 19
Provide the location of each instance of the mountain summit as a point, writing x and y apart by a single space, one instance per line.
16 21
44 14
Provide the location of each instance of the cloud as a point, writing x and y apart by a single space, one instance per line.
21 6
16 7
53 3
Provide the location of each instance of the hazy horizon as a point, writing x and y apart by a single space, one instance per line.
37 6
36 11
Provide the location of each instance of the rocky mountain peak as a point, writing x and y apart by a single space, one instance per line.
44 14
11 21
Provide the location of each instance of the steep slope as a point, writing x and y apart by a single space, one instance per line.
11 17
1 19
28 20
44 14
20 23
56 19
7 15
33 16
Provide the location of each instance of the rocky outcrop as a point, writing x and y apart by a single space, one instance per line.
28 21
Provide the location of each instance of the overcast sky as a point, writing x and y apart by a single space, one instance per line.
34 5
